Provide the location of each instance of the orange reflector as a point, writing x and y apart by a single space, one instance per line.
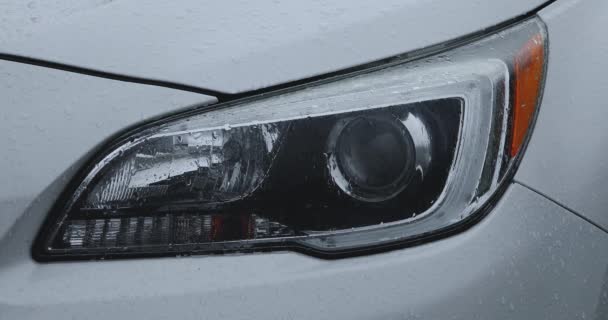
529 63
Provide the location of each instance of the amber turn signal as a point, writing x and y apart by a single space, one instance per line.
529 69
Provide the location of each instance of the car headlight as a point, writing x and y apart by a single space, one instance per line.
382 157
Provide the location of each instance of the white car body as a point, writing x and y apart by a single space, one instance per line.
542 252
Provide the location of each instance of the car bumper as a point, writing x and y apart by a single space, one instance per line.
530 258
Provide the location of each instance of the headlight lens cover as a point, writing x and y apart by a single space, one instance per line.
386 156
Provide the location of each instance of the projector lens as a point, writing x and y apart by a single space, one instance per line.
375 156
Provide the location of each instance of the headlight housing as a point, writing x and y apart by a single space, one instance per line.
387 156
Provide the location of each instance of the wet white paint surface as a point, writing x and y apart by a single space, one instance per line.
235 46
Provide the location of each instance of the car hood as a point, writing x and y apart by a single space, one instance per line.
234 47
